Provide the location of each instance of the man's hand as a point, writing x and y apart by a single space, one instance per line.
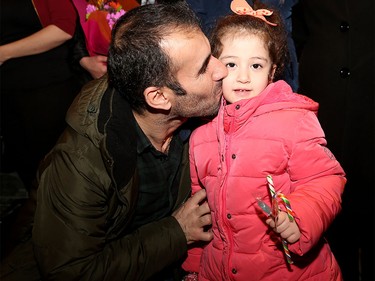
193 216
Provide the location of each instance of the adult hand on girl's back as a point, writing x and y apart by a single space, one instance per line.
194 216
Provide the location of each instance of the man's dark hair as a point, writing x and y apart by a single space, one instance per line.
136 59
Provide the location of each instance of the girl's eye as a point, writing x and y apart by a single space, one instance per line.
230 65
256 66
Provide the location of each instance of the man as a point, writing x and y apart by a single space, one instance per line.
111 192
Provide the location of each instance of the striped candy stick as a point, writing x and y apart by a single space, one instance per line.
286 251
271 186
275 212
274 203
287 206
281 196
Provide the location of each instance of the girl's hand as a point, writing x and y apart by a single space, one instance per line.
287 229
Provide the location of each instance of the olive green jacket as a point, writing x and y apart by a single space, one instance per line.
87 194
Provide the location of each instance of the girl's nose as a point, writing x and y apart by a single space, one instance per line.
243 75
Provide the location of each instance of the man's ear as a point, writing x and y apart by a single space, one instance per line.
157 98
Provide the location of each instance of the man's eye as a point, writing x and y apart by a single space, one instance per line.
230 65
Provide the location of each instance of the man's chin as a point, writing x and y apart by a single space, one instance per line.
213 111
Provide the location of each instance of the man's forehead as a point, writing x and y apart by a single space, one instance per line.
180 37
187 49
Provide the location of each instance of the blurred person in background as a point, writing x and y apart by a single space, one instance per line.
37 81
335 44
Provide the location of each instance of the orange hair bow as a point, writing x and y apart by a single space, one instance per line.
241 7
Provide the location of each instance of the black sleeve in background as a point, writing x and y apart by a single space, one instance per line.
300 31
79 51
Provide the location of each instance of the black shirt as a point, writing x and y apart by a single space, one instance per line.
159 176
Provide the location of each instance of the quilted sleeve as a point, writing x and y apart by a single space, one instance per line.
318 182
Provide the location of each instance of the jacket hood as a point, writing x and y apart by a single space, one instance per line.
276 96
100 114
279 95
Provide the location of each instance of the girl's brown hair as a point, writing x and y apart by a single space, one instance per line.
275 37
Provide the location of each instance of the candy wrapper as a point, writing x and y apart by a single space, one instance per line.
97 19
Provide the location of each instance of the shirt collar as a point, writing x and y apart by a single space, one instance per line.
143 143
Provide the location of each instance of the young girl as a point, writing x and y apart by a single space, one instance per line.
265 138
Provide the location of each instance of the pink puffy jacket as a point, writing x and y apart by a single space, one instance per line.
275 133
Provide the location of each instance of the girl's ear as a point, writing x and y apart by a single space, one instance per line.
272 73
157 98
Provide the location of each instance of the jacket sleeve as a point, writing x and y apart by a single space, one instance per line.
74 236
79 51
318 182
192 262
